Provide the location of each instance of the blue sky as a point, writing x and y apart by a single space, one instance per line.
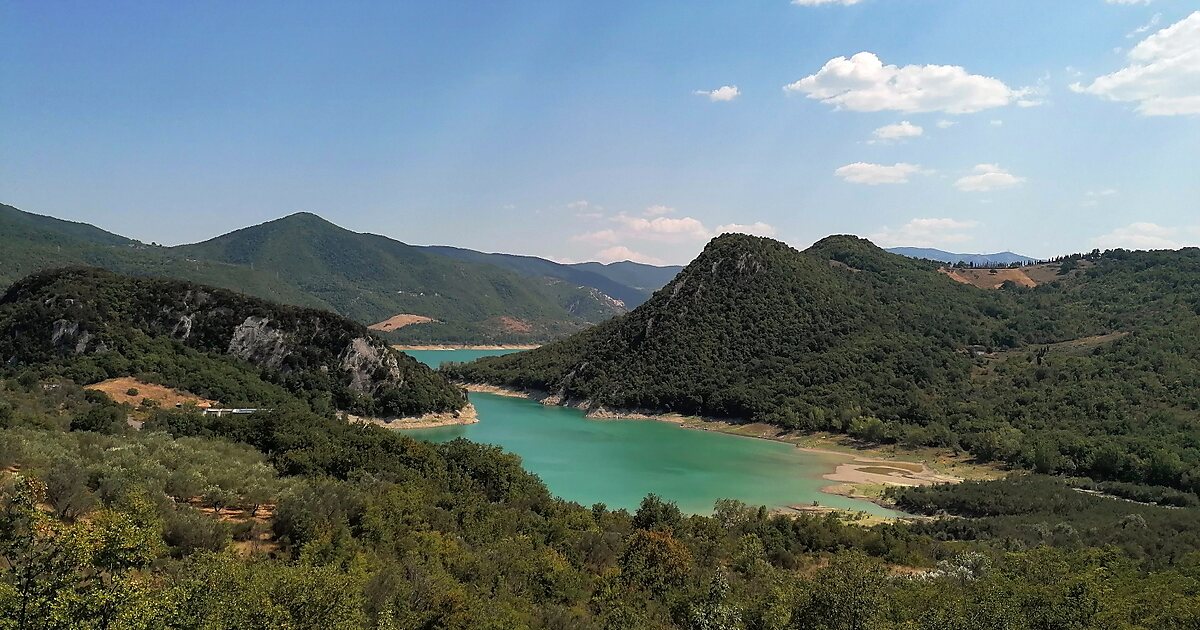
585 130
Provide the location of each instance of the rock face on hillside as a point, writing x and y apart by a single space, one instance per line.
83 311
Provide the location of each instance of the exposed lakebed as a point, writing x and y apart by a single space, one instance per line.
617 462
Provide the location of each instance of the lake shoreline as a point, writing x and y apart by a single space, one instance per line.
858 472
464 416
449 346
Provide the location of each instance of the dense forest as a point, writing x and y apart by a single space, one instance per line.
1096 374
304 260
291 518
89 325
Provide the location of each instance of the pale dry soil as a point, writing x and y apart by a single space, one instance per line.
466 415
400 320
118 388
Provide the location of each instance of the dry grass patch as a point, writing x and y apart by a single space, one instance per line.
400 320
119 390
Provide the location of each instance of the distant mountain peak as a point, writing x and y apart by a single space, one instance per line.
928 253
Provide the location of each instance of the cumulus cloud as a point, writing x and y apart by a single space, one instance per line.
620 253
1163 75
863 83
758 228
898 131
1148 236
925 233
945 124
663 229
987 177
674 235
725 93
875 174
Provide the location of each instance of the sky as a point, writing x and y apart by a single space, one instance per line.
613 130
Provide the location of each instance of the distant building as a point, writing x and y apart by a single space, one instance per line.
227 412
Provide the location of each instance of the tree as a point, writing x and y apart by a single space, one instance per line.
654 561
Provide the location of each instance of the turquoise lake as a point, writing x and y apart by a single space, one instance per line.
617 462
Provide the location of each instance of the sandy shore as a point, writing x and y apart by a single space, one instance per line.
466 415
529 346
859 473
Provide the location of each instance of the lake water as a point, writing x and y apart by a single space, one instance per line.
617 462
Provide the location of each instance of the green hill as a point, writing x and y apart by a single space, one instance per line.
370 278
1098 373
631 290
90 324
31 243
642 277
304 260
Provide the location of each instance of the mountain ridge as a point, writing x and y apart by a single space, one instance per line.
981 260
492 302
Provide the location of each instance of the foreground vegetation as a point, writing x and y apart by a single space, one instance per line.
294 519
1096 374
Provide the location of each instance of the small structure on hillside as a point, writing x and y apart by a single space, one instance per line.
227 412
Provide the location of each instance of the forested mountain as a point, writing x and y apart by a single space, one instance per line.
648 278
631 285
370 278
1097 373
979 260
89 325
307 261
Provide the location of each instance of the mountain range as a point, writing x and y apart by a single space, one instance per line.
460 296
977 260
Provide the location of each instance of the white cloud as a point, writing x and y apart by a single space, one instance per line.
987 177
1128 1
1163 75
618 253
817 3
1154 20
599 236
875 174
663 229
758 228
925 233
724 93
1092 197
997 123
1148 236
945 124
863 83
585 209
659 229
673 236
898 131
